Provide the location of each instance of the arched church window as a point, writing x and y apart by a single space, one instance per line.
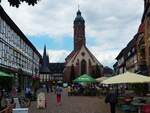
77 63
72 73
89 62
83 66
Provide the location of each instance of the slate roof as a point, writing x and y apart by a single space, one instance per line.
129 46
56 67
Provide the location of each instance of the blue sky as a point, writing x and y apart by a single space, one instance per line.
110 25
51 43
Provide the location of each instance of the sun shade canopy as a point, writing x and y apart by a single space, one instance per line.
3 74
127 77
85 79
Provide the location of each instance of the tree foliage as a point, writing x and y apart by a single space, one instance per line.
16 3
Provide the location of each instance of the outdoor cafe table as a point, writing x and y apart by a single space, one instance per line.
139 105
139 102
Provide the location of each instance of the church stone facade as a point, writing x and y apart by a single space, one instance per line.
81 60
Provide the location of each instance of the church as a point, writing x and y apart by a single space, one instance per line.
81 60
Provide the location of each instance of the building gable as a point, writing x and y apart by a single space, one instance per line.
85 54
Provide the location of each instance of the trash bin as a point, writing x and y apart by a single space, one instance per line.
20 110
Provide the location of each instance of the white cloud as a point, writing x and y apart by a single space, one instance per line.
105 56
56 55
111 23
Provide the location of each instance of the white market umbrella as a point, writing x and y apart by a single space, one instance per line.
100 79
127 77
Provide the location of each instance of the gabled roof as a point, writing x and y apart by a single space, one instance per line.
53 68
73 55
70 55
129 46
132 43
56 67
44 69
121 53
141 28
115 65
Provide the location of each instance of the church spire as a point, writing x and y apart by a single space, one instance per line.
45 62
79 31
44 53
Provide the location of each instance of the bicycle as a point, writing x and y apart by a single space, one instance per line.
24 102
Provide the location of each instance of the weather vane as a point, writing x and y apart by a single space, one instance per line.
78 4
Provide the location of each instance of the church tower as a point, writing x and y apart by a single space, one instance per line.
81 61
79 31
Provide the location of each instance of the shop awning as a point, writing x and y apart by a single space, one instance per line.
3 74
128 78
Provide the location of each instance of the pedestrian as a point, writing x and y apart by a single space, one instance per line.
28 93
47 88
58 92
69 90
111 98
3 102
14 91
51 87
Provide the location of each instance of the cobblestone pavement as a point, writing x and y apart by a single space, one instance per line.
72 104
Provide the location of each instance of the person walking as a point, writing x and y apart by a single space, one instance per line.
58 92
111 98
47 88
14 91
28 93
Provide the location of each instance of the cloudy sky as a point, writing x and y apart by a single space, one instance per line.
110 25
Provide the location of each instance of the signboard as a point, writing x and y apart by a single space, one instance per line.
41 100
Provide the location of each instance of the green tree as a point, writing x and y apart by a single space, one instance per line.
16 3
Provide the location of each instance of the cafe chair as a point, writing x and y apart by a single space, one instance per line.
126 108
145 108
